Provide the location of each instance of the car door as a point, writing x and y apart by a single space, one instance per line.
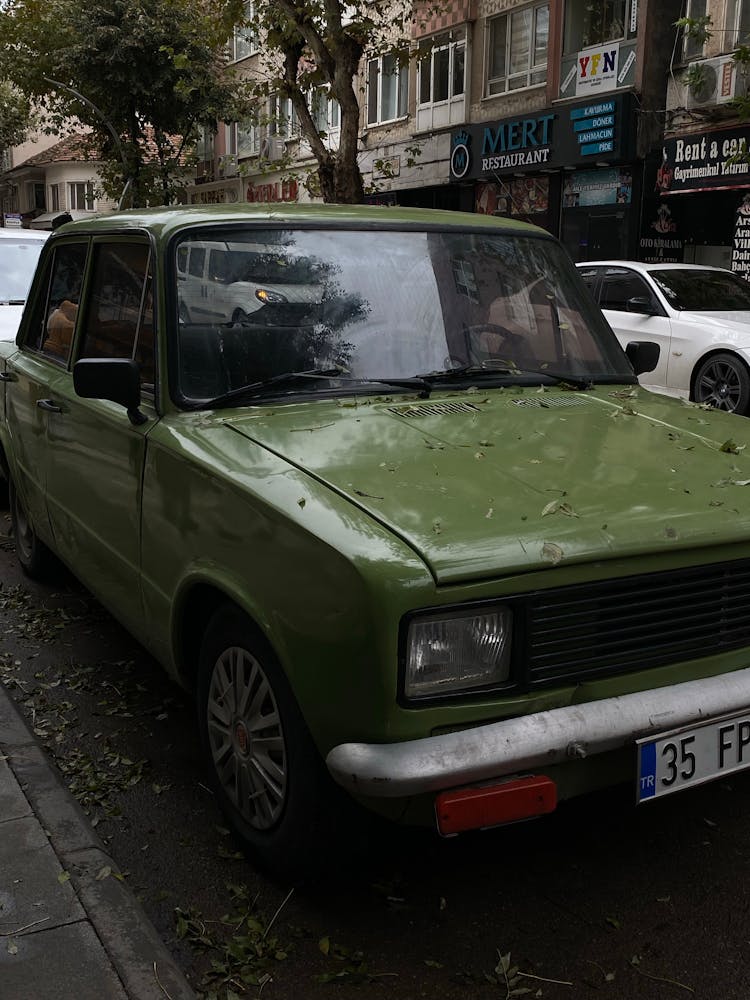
634 312
37 370
95 453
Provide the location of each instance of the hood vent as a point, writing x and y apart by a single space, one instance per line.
547 401
433 409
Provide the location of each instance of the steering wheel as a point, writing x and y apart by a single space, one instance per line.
508 339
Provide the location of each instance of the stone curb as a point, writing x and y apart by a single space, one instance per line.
138 955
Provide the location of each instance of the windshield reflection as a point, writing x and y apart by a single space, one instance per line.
703 291
381 304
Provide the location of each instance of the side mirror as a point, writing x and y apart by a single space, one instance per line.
115 379
641 304
643 355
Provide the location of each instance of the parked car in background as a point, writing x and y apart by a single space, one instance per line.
19 252
699 316
423 538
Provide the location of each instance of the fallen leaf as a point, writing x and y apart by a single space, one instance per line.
552 552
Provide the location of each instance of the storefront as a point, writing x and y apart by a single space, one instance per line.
702 185
568 169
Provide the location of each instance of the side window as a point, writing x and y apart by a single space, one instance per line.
590 276
119 319
619 287
56 309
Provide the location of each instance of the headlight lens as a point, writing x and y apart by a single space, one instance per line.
448 653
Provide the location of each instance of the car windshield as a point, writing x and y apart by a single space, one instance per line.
18 259
382 304
702 291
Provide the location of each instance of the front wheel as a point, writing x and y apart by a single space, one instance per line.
723 381
35 558
263 766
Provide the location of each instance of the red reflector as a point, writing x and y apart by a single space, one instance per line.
491 805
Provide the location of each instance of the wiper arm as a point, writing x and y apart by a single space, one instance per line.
489 369
254 388
258 388
576 381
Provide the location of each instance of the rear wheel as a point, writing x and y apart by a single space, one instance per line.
723 381
35 558
263 766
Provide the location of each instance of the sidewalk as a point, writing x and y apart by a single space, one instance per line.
69 930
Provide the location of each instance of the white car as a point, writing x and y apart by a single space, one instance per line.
19 252
222 282
699 316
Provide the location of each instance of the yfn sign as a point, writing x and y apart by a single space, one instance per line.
596 69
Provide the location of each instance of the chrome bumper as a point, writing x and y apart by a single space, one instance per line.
395 770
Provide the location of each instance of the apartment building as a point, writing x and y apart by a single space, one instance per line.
703 176
549 111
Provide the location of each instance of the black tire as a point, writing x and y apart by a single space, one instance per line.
722 380
240 317
35 558
276 795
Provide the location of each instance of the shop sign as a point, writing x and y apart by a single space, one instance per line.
741 242
660 242
585 188
12 220
214 196
554 138
274 191
596 69
702 161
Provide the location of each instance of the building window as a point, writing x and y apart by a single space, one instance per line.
387 88
441 71
81 196
517 49
692 48
54 197
283 117
738 24
588 23
326 113
244 43
248 138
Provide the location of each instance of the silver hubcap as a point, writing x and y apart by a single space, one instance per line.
719 386
246 738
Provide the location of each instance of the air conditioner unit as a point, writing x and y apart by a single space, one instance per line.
272 149
228 165
720 82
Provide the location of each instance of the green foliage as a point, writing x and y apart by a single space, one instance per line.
150 71
15 115
320 44
697 29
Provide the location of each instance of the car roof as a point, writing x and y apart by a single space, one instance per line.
164 222
640 265
9 233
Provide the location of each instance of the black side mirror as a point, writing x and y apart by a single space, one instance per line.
643 355
640 304
115 379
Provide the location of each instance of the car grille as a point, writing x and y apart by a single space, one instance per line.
616 626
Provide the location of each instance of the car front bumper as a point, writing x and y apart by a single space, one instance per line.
435 763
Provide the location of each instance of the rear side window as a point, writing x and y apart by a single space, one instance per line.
55 313
119 320
617 288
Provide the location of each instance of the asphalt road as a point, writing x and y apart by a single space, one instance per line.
599 900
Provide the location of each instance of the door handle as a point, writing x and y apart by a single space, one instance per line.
48 405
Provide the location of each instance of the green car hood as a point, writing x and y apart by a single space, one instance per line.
502 481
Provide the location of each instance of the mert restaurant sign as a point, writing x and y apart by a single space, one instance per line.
564 136
705 161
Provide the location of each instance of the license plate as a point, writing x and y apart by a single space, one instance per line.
693 756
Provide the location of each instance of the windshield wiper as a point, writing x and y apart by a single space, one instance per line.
490 370
284 378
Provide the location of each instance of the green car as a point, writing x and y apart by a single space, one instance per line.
380 487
